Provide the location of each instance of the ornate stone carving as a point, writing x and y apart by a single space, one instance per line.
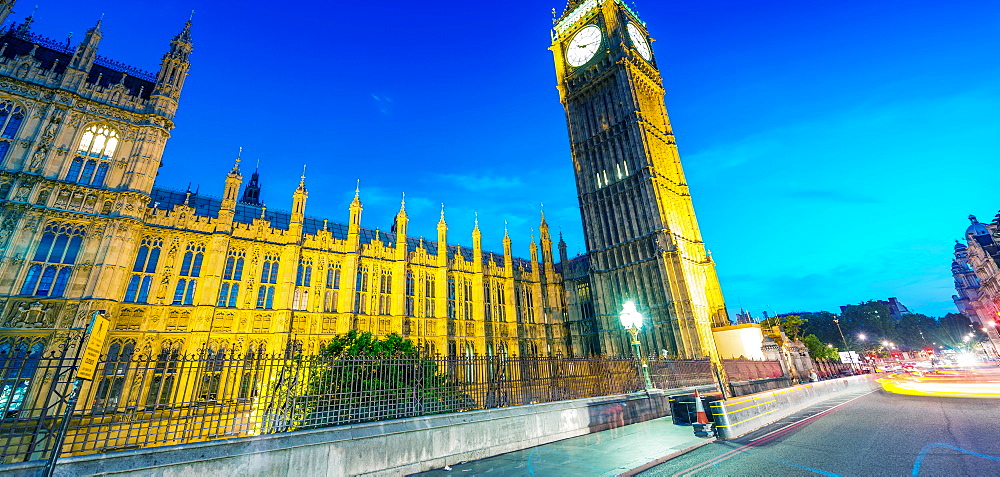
33 221
67 315
58 114
32 315
23 191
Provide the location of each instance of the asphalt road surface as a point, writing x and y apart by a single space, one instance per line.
865 434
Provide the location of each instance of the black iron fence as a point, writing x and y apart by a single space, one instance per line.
143 401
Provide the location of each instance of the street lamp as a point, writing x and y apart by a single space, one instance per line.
632 321
837 322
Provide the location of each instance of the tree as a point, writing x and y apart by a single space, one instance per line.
359 377
870 317
915 331
791 325
821 324
818 349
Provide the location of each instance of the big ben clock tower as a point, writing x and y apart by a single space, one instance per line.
643 241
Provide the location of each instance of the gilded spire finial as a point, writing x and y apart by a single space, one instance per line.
357 190
239 157
442 212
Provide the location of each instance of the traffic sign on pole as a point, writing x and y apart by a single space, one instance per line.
97 333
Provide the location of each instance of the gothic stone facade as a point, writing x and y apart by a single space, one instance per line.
84 229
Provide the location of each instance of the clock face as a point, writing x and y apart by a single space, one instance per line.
583 46
639 42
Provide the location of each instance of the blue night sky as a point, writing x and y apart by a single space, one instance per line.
834 149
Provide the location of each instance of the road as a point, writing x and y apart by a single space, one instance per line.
866 434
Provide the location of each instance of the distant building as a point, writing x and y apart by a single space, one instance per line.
744 317
979 291
966 282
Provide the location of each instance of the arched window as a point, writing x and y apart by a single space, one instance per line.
11 118
18 362
98 141
231 276
88 171
164 373
116 365
93 156
190 267
230 264
142 269
74 170
223 295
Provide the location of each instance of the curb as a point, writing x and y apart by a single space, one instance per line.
649 465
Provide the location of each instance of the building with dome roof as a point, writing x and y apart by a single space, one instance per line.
976 269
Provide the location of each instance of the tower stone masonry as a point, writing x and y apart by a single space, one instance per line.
642 236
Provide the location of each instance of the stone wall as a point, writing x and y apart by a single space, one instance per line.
396 447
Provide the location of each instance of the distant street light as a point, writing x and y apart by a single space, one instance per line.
632 321
862 337
837 322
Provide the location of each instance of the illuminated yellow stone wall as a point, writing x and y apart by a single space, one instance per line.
42 192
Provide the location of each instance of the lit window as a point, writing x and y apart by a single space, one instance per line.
51 267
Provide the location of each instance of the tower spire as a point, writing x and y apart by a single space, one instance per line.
251 193
6 8
174 68
86 51
299 204
442 239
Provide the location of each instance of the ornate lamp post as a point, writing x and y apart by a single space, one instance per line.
632 321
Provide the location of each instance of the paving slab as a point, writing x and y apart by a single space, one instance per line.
622 451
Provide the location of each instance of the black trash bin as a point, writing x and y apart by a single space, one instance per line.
682 409
684 412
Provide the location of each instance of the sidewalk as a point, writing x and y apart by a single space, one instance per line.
625 450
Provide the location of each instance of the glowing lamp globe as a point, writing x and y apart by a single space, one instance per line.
629 316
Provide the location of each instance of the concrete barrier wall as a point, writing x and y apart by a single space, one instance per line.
738 416
397 447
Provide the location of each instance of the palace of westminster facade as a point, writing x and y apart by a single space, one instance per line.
84 227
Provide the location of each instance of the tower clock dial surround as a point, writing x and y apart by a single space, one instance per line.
639 42
584 45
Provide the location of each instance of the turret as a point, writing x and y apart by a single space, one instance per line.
442 229
6 8
354 226
173 71
563 256
546 241
508 256
251 193
86 51
399 228
299 205
232 189
533 248
477 247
